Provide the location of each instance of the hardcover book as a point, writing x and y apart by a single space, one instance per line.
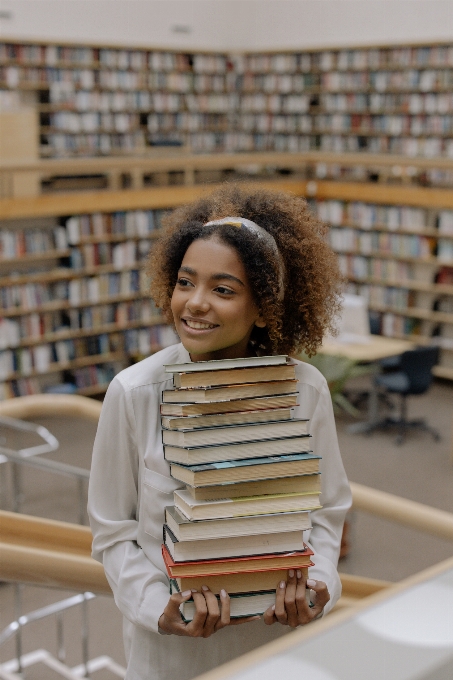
229 434
237 583
241 605
186 530
234 546
246 470
229 392
233 376
310 483
242 507
223 419
237 565
195 455
222 364
231 406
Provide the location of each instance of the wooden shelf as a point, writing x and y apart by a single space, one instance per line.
66 274
70 365
57 305
409 284
414 312
443 372
384 255
36 257
103 329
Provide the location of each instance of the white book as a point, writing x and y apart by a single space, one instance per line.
222 364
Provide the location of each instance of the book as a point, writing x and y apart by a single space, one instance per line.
225 434
229 392
186 530
236 583
223 419
194 455
217 548
222 364
231 406
243 506
246 470
237 565
300 484
241 604
233 376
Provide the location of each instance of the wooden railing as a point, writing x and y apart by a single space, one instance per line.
25 179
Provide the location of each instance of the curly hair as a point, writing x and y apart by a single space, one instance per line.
312 278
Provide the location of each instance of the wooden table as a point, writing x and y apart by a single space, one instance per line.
378 347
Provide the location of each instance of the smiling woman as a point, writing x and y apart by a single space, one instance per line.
239 273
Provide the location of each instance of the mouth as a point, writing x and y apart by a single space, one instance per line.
198 325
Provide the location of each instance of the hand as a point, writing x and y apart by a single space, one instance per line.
208 619
291 608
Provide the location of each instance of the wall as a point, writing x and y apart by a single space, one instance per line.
229 24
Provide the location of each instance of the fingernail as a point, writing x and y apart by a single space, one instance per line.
205 588
299 573
291 573
223 593
311 583
186 593
282 584
194 590
273 607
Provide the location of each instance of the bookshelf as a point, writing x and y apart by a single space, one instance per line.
101 100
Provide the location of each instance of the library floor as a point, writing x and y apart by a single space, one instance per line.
419 469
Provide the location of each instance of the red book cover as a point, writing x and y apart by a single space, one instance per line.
237 565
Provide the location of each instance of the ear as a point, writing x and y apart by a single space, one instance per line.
260 322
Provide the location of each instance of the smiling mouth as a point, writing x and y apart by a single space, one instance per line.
198 325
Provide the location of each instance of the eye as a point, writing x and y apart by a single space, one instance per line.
184 283
223 290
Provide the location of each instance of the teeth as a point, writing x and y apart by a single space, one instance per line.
197 325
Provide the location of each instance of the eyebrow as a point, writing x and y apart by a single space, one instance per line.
221 276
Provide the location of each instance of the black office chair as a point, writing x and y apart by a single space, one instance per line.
413 376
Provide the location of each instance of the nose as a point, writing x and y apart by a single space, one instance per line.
197 301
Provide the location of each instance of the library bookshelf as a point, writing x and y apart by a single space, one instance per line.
103 100
74 294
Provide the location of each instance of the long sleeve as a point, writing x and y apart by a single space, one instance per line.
139 585
325 537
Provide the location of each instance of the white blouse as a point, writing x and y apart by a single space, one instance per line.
130 485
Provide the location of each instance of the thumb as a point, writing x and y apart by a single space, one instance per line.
322 595
175 600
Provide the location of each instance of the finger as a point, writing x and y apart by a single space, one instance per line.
224 610
304 614
213 614
290 599
196 626
322 596
280 611
269 616
171 620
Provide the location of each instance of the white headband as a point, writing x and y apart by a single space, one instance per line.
259 232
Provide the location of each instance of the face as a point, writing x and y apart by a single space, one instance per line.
212 303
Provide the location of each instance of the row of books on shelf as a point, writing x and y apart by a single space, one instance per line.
137 223
251 480
78 291
161 60
360 102
126 254
136 60
62 144
406 146
42 358
396 124
358 266
117 316
391 217
372 242
126 122
387 296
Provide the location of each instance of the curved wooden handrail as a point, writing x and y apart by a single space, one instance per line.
43 405
403 511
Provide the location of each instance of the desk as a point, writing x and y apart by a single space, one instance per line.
402 633
378 347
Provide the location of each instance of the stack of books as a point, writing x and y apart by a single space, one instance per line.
230 436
